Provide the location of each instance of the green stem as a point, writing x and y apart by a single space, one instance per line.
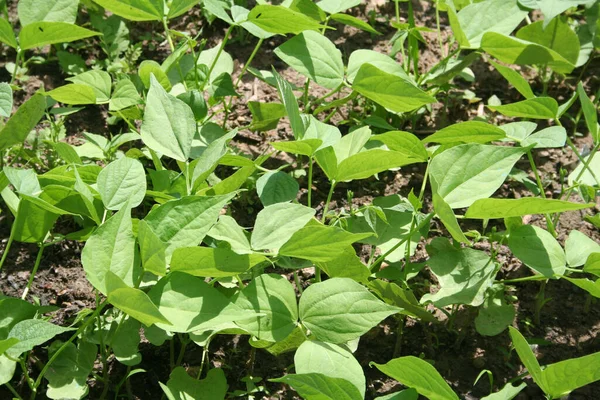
381 258
181 352
437 24
17 61
424 184
204 358
168 34
297 282
397 10
310 178
549 222
223 43
38 260
329 196
254 52
13 391
329 94
523 279
7 248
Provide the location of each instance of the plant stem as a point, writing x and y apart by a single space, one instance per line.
523 279
204 358
437 24
424 184
381 258
549 222
397 10
329 94
13 391
38 260
168 34
223 43
539 301
310 178
297 282
181 352
7 248
329 196
16 70
254 52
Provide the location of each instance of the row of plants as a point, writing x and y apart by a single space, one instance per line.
153 203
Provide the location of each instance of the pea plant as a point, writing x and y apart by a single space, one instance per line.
155 202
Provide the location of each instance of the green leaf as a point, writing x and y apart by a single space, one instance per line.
391 91
7 369
40 34
355 22
265 116
276 187
382 61
32 333
122 182
182 386
138 305
282 20
337 6
469 172
512 50
495 315
466 132
552 137
213 262
179 7
515 79
47 10
148 68
191 304
537 108
305 147
99 81
370 162
23 121
169 125
420 375
505 208
346 264
592 287
319 243
538 249
464 274
274 297
67 379
125 95
586 177
589 112
111 249
152 250
135 10
6 344
6 34
185 222
340 309
578 247
528 358
476 19
291 106
565 376
313 357
6 100
557 36
320 387
393 294
448 218
315 57
228 230
73 94
126 340
275 224
403 142
33 222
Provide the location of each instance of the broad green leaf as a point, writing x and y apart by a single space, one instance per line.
512 50
184 222
23 121
538 249
314 56
111 249
135 10
391 91
557 36
25 181
33 222
7 369
393 294
13 311
319 243
592 287
306 147
382 61
337 6
122 182
6 344
466 132
528 358
406 394
276 187
32 333
169 125
67 153
469 172
126 340
274 297
6 100
282 20
340 309
565 376
291 106
351 143
6 34
370 162
515 79
223 65
275 224
403 142
38 34
213 262
313 357
207 161
464 274
448 218
179 7
308 8
494 315
73 94
67 379
501 16
552 137
138 305
228 230
508 392
148 68
346 264
181 386
320 387
98 80
418 374
592 264
505 208
578 248
47 10
290 343
590 113
265 116
355 22
152 250
125 95
518 130
586 178
537 108
191 304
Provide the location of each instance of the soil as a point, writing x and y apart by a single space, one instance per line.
569 323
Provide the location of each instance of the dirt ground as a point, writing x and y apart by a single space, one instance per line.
564 331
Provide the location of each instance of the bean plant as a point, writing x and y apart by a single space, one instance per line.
153 205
